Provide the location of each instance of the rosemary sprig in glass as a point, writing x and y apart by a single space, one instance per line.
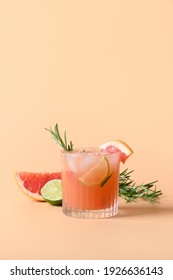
132 192
56 136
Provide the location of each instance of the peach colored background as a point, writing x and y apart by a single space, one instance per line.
102 70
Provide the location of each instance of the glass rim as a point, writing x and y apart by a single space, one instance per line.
88 151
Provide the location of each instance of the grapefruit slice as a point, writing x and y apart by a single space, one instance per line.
31 183
97 174
117 145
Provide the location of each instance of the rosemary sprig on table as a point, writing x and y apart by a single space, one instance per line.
56 136
132 192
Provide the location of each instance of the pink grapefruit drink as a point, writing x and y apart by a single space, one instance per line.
90 182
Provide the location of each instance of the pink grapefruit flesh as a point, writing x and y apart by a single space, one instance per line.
117 146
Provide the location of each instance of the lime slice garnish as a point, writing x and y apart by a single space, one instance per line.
52 192
97 175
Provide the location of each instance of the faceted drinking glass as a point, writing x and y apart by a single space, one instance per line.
90 183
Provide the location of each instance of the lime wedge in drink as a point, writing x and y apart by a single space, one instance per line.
97 175
52 192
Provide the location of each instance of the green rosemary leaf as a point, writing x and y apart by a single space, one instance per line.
56 136
132 192
65 138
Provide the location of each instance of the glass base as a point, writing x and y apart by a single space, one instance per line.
91 214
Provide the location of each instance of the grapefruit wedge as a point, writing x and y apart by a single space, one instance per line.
31 183
115 146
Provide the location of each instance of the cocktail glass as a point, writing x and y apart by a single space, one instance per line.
90 183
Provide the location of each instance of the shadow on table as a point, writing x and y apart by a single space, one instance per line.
134 210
